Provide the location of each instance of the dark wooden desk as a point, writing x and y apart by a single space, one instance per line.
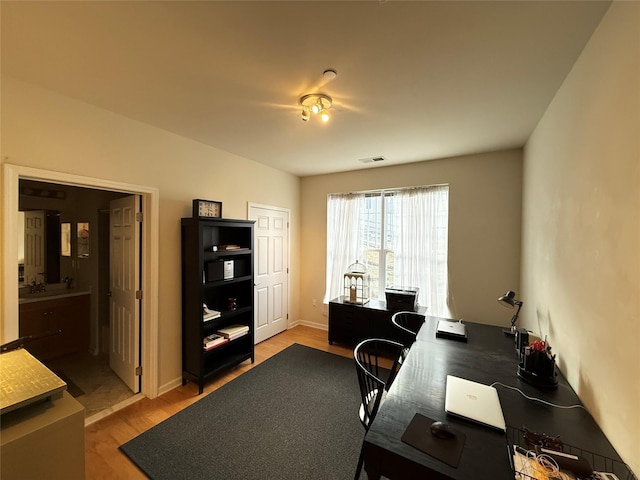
350 323
489 356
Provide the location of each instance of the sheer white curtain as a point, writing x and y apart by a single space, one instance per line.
415 236
420 246
344 239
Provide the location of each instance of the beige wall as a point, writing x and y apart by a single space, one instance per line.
581 231
44 130
484 228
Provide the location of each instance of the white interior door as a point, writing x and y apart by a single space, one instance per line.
124 307
271 270
34 254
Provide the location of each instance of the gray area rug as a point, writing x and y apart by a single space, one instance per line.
294 416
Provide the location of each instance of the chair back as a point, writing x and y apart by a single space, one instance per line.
373 378
409 324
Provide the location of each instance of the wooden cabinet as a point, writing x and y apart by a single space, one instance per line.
67 319
350 323
43 440
217 271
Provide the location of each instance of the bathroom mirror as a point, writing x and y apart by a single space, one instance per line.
39 246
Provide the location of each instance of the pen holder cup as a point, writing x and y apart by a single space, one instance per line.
539 363
538 368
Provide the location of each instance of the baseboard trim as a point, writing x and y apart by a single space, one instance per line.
176 382
319 326
118 406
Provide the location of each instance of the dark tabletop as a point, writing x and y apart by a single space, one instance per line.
487 357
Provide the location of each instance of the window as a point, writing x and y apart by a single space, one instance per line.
401 236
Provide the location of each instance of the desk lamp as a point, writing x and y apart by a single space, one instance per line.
509 300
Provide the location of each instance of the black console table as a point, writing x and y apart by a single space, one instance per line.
350 323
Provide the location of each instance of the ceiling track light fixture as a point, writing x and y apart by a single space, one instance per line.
316 103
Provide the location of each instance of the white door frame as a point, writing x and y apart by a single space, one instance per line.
250 205
150 255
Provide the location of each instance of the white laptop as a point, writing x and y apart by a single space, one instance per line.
474 401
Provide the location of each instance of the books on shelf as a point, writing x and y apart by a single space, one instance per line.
208 314
213 340
227 248
233 331
237 335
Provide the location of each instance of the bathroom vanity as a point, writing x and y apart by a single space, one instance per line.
60 318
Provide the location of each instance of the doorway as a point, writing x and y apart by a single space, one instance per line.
87 364
149 239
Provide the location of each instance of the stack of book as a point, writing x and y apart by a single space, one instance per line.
227 248
208 314
233 331
213 340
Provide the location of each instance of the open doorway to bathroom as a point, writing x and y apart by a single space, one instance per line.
64 270
149 328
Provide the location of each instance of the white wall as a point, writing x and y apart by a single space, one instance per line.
581 229
44 130
484 228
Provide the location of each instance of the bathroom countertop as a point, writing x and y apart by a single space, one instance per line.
43 296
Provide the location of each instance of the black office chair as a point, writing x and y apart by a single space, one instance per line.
374 380
409 324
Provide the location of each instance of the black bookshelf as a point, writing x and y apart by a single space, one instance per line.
217 265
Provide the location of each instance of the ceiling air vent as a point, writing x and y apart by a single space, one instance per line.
372 159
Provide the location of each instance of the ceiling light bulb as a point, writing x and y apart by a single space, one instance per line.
317 107
325 116
305 114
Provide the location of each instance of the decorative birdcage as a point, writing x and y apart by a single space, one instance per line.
356 284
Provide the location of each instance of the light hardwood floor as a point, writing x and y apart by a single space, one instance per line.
103 458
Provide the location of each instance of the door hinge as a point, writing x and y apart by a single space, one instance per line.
139 217
138 294
138 371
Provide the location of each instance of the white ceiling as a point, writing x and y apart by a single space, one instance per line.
416 80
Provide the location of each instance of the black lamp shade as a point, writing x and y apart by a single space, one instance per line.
508 299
